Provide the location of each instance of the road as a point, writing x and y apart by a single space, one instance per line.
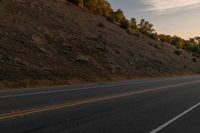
162 105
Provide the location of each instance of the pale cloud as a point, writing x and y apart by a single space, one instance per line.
163 5
173 17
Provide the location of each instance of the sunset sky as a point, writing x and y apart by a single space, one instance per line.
174 17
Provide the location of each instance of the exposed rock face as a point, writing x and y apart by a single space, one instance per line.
82 58
55 40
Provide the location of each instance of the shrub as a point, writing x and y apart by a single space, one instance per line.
119 15
178 42
133 23
111 18
145 27
124 24
153 36
194 49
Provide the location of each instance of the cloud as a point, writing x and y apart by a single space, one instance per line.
163 5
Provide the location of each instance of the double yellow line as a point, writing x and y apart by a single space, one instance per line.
87 101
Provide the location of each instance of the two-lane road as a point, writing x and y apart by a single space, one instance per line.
165 105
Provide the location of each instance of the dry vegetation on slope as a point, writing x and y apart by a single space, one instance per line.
53 41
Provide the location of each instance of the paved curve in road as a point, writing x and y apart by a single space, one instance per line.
162 105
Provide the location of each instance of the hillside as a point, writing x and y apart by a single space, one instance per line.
55 42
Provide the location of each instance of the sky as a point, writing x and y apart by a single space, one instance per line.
173 17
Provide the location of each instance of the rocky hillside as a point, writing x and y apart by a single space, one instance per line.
53 41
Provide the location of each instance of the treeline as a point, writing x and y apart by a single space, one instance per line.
100 7
192 45
103 8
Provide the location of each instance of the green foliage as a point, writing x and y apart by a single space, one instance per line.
195 40
103 8
125 23
194 48
154 36
133 23
192 45
145 27
119 15
92 6
111 18
165 38
178 42
100 7
106 9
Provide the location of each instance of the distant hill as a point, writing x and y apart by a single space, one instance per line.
55 42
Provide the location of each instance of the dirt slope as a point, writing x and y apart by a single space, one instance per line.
52 40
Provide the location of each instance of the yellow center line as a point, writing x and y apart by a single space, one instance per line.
88 101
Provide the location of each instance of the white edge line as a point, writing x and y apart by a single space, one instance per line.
174 119
55 91
66 90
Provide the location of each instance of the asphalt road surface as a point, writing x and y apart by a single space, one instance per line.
164 105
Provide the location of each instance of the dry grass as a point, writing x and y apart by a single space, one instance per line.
53 42
5 85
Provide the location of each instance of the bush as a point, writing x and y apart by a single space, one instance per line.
124 24
111 18
194 49
119 15
145 27
178 42
153 36
133 23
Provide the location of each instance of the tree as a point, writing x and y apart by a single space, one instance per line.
193 45
154 36
178 42
196 40
100 7
146 27
125 23
92 6
165 38
141 24
106 9
119 15
133 23
112 17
